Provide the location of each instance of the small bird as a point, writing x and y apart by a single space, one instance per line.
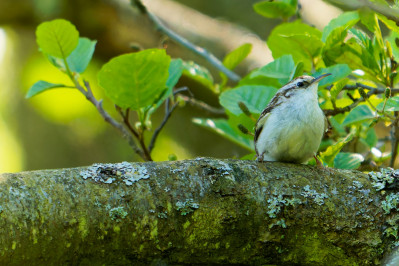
292 125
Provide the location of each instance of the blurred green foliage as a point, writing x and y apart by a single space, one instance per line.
358 47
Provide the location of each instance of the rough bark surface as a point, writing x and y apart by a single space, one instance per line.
206 211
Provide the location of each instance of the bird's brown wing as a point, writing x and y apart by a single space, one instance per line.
265 114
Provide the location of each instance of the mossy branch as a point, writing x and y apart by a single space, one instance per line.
205 211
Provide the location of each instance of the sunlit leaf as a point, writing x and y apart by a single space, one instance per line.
298 71
370 20
80 58
337 126
359 114
309 44
135 80
329 154
260 80
371 138
255 98
57 38
286 39
338 72
335 33
337 88
198 73
223 128
389 23
251 156
281 69
370 52
42 86
276 9
175 72
391 105
345 20
241 119
235 57
393 36
347 160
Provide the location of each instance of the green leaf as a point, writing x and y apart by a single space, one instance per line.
287 38
276 9
393 36
244 120
337 88
309 44
344 21
369 52
329 154
281 69
337 72
338 127
335 46
260 80
335 33
370 20
255 98
42 86
134 80
175 72
235 57
391 105
80 58
250 156
371 138
198 73
389 23
223 128
359 114
298 71
57 38
347 160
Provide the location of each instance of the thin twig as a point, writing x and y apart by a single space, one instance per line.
357 85
372 91
139 135
183 89
213 60
395 139
332 112
202 105
168 113
125 117
98 104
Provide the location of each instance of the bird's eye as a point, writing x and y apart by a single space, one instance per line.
300 84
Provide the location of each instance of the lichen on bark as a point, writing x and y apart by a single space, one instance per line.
195 211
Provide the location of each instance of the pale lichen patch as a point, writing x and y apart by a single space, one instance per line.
318 198
109 173
384 178
117 214
186 207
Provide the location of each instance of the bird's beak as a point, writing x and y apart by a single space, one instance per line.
320 78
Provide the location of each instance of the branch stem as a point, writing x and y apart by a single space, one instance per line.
213 60
168 113
98 104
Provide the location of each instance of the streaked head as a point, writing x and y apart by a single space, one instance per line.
302 83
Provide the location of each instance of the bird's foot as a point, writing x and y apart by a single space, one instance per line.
318 162
321 166
259 158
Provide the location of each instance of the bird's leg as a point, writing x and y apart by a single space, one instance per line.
318 162
260 157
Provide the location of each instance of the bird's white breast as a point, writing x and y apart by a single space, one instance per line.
293 130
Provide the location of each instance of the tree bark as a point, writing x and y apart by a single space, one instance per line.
195 211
